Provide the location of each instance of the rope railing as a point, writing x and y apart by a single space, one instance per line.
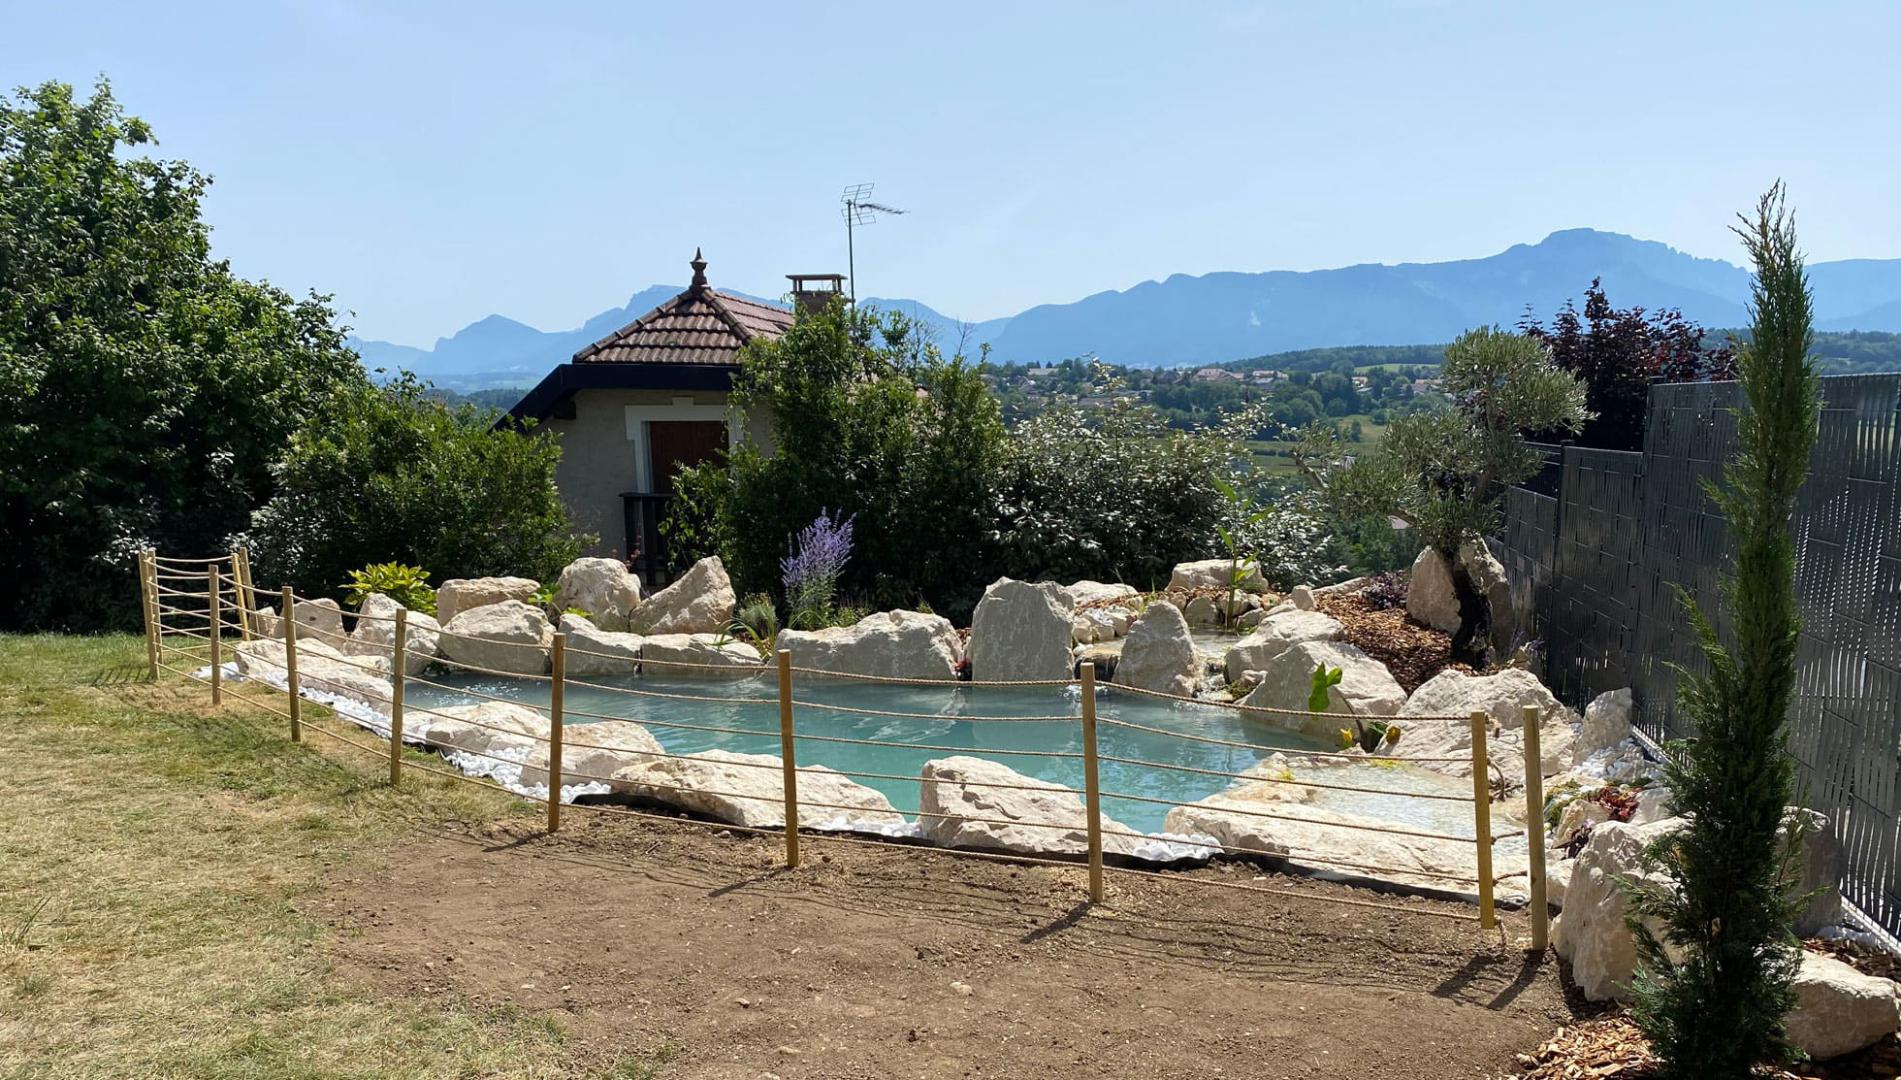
233 607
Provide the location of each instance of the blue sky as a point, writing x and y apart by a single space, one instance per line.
431 164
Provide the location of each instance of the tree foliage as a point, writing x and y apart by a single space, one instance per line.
395 475
1619 354
1712 992
144 389
1443 470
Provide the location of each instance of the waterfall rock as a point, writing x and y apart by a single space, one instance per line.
1029 817
1159 654
701 602
890 644
1217 574
509 636
601 587
458 595
1276 633
1021 630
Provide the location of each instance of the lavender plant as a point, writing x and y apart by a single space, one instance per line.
810 573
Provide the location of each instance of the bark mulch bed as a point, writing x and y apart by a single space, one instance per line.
1412 651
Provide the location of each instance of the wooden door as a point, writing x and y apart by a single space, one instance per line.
678 444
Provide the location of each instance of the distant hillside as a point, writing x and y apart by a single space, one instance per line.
1215 318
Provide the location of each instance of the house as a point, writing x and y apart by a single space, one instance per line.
639 405
1215 374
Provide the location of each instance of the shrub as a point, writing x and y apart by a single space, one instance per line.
810 573
757 619
407 585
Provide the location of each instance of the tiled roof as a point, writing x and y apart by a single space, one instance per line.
700 326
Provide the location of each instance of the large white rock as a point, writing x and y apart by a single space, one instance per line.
375 634
749 789
594 753
1839 1010
695 654
1820 867
1591 933
889 644
1431 599
1454 696
1274 634
1366 688
320 620
1087 592
1028 816
1606 723
483 727
320 667
458 595
601 587
1218 574
510 636
1021 630
701 602
593 651
1159 654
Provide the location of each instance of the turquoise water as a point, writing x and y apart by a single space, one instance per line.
953 722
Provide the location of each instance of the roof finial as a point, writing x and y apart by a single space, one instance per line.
699 269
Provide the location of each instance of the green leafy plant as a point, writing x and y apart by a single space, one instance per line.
1712 989
757 619
1325 679
407 585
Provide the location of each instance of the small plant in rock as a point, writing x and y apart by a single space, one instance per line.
407 585
810 572
757 619
1385 591
1325 679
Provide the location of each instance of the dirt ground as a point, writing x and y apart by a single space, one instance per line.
885 961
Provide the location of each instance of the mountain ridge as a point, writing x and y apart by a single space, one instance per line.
1224 315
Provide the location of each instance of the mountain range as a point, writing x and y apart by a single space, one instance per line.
1209 318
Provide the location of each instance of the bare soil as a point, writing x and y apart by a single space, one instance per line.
1412 651
893 961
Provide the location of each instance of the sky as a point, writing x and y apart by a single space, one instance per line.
430 164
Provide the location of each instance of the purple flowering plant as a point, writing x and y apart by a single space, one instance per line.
810 573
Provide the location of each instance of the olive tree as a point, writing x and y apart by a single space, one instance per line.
1442 471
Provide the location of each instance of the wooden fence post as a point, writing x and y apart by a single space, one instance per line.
1482 817
788 760
558 665
241 588
1092 787
148 605
1535 831
214 607
398 658
291 683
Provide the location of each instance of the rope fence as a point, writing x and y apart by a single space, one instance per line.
227 612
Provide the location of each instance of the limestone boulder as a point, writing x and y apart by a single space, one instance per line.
701 602
594 651
1303 597
1218 574
509 636
375 634
320 620
601 587
1606 724
1365 688
594 753
749 790
1440 725
458 595
889 644
1021 630
1159 654
1086 593
320 667
483 727
1839 1010
1028 816
1820 866
1202 611
690 656
1431 599
1274 634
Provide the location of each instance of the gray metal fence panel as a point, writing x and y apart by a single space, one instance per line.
1603 561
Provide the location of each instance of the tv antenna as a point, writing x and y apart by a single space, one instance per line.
859 210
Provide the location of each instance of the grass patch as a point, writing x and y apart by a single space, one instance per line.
153 854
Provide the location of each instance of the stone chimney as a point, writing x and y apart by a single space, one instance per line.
812 292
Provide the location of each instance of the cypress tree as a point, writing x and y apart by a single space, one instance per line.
1712 988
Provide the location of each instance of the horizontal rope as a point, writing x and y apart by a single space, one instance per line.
417 680
173 631
489 671
1345 901
498 729
168 560
1277 780
1121 688
1289 751
671 696
452 636
746 671
1304 821
168 609
862 711
933 746
932 682
680 724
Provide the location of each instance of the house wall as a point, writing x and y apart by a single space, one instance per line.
604 452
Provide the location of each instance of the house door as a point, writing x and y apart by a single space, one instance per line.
679 444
